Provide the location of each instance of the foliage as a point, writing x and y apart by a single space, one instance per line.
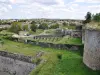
59 56
43 26
25 28
33 27
33 22
54 26
15 27
96 17
65 24
36 61
88 17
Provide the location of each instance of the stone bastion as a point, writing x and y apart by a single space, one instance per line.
91 56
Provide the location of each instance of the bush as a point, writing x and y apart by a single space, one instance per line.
43 26
36 61
33 27
59 56
15 27
54 26
25 28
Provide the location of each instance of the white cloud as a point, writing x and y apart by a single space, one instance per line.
46 8
88 1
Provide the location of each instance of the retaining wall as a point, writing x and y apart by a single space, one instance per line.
56 46
15 64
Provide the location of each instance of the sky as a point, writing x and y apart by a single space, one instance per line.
56 9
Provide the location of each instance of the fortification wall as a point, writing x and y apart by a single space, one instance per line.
92 49
15 64
56 46
16 56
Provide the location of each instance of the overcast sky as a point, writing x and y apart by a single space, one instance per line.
63 9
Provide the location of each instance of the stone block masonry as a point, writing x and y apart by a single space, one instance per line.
91 55
56 46
15 64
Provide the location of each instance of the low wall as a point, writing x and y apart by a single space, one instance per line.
56 46
72 33
16 56
15 64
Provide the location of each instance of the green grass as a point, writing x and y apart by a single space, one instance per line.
64 40
50 31
70 64
38 31
70 40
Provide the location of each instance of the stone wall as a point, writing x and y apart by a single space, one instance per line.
61 33
15 64
15 67
16 56
56 46
92 49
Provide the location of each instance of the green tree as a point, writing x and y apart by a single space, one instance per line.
15 27
33 22
25 28
65 24
54 26
88 17
96 17
33 27
43 26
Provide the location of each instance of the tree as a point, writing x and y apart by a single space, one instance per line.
65 24
43 26
25 28
54 26
33 27
33 22
88 17
96 17
15 27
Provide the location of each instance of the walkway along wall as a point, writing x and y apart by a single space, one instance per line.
91 55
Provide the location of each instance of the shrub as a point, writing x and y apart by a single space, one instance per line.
59 56
36 60
15 27
33 27
43 26
54 26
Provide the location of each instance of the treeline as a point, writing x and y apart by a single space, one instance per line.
17 26
92 17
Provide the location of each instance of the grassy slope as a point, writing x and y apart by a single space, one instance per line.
70 40
38 31
70 64
64 40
